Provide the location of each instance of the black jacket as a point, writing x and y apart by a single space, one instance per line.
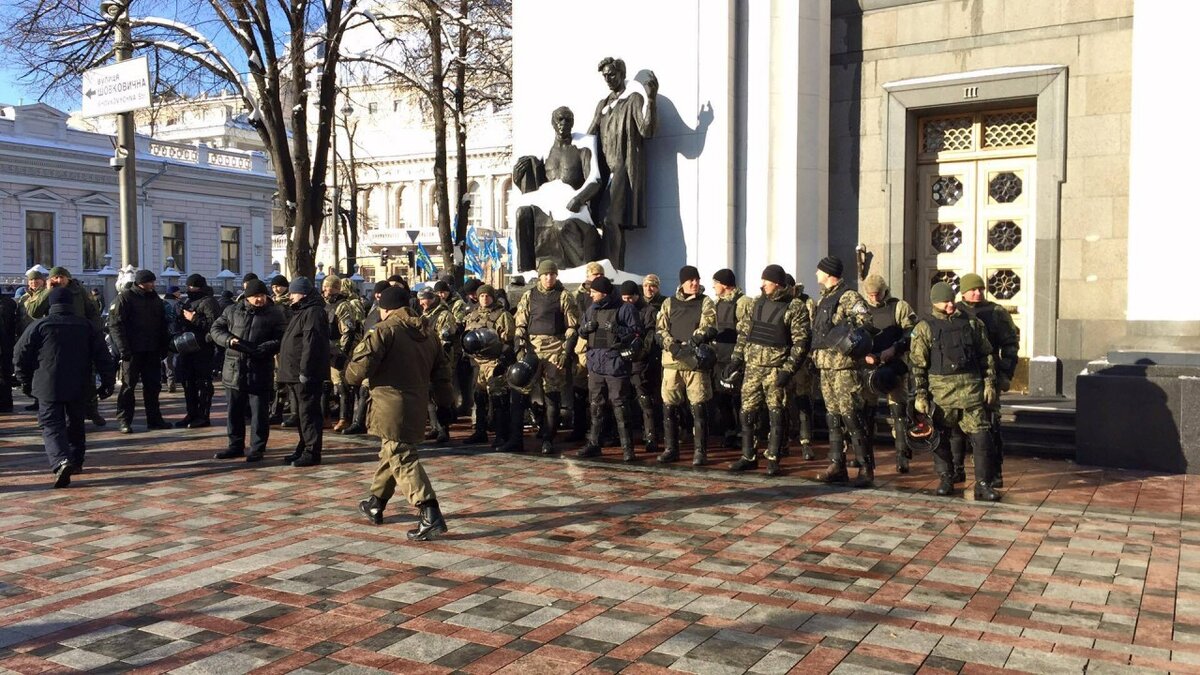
207 311
626 327
9 320
56 354
305 346
250 365
138 323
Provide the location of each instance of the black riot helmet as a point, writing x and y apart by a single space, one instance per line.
854 343
484 342
732 376
521 374
887 378
923 434
706 357
185 343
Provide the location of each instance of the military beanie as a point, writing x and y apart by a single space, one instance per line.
725 277
279 280
394 297
60 272
255 287
547 267
831 265
602 284
687 273
941 292
970 282
630 288
485 289
34 274
774 274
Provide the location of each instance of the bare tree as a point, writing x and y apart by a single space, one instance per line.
289 49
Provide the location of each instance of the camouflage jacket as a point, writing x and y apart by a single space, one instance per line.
742 304
442 320
799 328
30 304
851 310
345 322
905 317
1002 333
566 303
496 318
708 319
960 390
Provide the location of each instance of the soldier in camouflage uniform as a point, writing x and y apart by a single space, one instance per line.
952 366
641 365
35 296
773 341
441 319
345 330
490 385
802 386
840 310
547 319
685 322
732 306
894 320
1006 341
458 309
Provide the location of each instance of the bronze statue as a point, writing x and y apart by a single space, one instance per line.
623 120
553 217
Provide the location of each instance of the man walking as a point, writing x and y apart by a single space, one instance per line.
54 361
403 363
250 332
304 367
138 327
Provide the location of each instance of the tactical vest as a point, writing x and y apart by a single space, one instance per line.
545 313
822 322
727 335
986 313
604 338
884 319
953 350
484 318
685 317
767 327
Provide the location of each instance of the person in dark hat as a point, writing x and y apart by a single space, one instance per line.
610 326
282 402
250 332
358 425
436 311
304 367
81 301
194 370
403 363
54 361
279 292
686 320
137 325
640 363
491 388
732 304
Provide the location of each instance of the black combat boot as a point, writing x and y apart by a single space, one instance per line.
372 508
945 469
981 445
776 440
592 448
553 412
579 414
997 453
700 435
517 402
624 435
431 523
670 451
189 403
749 458
276 415
958 453
358 425
648 431
862 450
836 471
93 413
804 417
498 413
204 397
481 420
900 432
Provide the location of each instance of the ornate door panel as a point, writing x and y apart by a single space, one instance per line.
975 209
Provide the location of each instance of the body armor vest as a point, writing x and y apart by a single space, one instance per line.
953 350
484 319
884 319
604 338
822 322
727 335
685 317
545 313
768 327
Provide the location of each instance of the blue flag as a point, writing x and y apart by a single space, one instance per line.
424 262
471 263
472 240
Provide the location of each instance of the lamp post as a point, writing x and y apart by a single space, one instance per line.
117 11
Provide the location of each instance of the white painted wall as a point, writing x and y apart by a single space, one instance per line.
1163 237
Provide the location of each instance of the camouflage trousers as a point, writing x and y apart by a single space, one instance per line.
679 384
488 379
758 387
842 391
553 370
971 420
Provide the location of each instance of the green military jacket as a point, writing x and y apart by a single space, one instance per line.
852 310
957 391
1004 335
708 319
799 327
496 318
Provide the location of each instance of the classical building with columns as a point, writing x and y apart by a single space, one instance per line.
199 209
920 139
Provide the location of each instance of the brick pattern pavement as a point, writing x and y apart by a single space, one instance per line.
161 559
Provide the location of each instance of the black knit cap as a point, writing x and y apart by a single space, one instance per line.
279 280
687 273
255 287
393 297
774 274
725 277
831 265
60 296
602 284
196 281
144 277
630 288
381 286
441 287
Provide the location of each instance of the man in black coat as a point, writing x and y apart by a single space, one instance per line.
137 325
54 361
304 367
250 332
194 370
9 318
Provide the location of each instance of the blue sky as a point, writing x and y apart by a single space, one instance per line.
12 91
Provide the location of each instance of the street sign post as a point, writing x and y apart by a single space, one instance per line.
121 87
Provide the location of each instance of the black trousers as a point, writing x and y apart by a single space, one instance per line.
257 406
62 430
311 420
145 367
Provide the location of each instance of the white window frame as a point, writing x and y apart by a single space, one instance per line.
221 248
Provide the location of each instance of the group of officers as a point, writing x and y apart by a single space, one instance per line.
616 358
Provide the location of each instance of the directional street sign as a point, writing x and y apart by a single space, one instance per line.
121 87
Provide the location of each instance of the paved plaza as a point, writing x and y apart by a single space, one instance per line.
159 558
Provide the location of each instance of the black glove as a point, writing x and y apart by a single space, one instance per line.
27 389
104 391
731 369
674 348
696 340
782 377
589 327
631 350
608 326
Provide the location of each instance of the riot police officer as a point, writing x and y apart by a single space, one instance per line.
440 317
1006 341
893 319
610 327
491 389
732 306
686 321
